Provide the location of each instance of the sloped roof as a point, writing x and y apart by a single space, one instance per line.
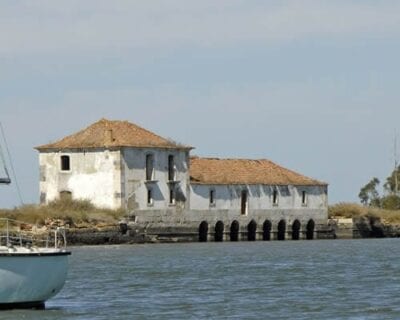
242 171
108 134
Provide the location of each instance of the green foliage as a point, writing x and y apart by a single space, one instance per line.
391 202
391 184
368 195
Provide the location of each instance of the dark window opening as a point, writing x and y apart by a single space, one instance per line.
267 230
234 232
212 197
310 230
171 196
65 163
203 231
149 167
304 198
275 198
296 230
281 230
171 168
149 197
244 202
251 231
219 231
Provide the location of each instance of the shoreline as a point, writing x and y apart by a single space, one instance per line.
339 228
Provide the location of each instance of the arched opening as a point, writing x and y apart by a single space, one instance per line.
310 230
65 195
296 230
267 230
251 231
281 230
219 231
234 231
203 231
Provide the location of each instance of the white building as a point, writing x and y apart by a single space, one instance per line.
118 164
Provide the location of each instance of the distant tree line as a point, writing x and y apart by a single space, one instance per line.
390 200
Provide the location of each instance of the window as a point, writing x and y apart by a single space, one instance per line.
171 168
171 196
304 198
275 197
149 167
244 203
65 163
149 197
212 197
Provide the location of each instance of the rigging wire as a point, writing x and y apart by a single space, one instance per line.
11 164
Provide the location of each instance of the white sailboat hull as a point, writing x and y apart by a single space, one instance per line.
29 279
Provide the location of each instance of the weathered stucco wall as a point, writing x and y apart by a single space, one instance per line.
227 209
228 197
136 187
94 175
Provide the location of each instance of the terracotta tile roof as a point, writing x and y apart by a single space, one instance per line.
107 133
242 171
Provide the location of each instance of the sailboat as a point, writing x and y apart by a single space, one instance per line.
33 265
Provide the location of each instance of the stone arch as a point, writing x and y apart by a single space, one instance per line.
203 231
251 230
296 230
234 232
310 229
267 230
281 230
219 231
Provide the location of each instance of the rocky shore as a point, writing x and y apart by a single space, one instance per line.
353 228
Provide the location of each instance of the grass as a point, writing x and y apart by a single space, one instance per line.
354 210
75 213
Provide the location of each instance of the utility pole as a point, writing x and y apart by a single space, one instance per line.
396 182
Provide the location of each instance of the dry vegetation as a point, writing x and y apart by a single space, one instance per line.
353 210
72 212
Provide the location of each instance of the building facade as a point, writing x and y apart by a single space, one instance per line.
117 164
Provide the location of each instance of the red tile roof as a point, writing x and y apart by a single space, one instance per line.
107 134
241 171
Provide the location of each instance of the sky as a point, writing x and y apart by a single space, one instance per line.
310 85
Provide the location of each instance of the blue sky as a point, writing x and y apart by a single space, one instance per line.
311 85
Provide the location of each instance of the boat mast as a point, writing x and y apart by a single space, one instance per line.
4 180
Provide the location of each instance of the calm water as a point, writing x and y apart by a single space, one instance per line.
356 279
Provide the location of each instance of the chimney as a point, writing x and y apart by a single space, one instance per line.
108 136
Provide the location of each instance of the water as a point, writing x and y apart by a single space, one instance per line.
355 279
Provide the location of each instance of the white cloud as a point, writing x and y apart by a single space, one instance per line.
72 26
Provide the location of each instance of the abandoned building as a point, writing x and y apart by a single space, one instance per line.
117 164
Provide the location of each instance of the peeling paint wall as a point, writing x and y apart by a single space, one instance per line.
117 178
227 209
135 186
228 197
94 175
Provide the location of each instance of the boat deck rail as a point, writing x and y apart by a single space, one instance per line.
15 233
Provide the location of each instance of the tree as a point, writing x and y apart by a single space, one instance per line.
392 184
391 202
368 195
